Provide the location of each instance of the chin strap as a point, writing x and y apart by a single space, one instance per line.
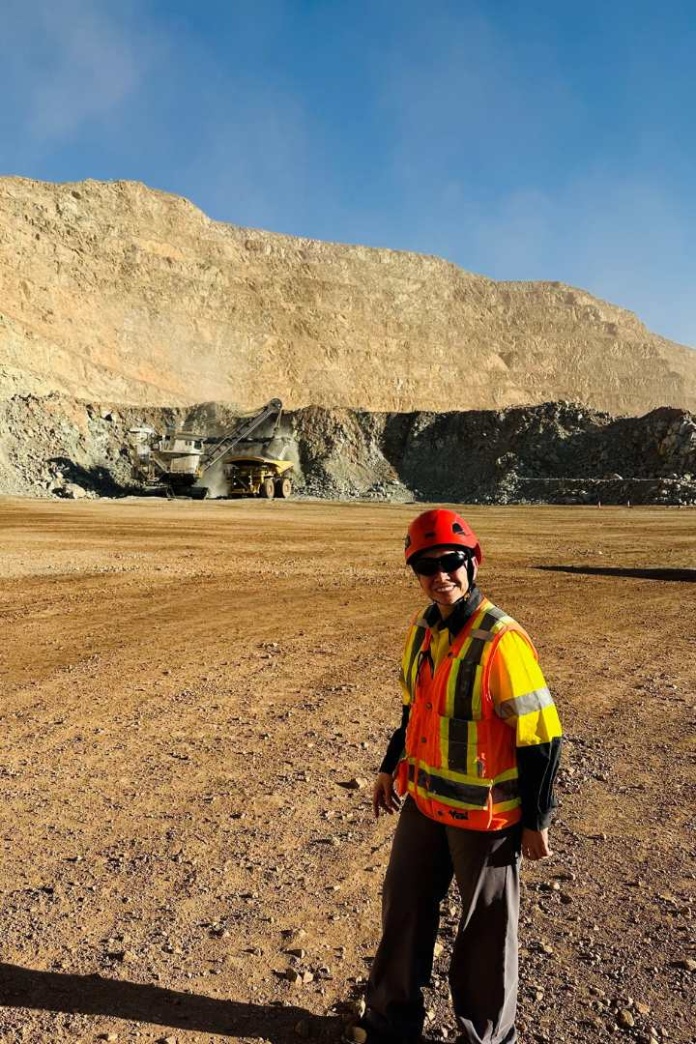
464 598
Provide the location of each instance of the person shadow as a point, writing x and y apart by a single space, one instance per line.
685 575
93 995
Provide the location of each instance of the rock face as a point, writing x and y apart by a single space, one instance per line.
556 452
114 292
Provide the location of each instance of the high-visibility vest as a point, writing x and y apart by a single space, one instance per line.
460 764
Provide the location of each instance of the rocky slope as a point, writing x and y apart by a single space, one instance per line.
556 452
114 292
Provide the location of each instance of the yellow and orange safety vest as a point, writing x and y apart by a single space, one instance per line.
472 702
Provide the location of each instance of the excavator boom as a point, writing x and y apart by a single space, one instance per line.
240 431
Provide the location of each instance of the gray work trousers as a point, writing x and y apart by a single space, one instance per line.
483 973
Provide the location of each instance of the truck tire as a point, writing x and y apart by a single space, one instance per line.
283 488
267 489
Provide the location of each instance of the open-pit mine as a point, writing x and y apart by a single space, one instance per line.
197 693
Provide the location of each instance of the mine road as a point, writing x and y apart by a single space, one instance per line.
193 695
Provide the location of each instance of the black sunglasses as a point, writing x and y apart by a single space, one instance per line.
450 562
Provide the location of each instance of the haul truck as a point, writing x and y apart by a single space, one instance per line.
188 463
258 477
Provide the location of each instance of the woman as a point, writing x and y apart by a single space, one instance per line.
475 756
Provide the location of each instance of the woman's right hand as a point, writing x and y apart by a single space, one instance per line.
384 796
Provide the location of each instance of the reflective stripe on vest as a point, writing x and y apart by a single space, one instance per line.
409 660
460 765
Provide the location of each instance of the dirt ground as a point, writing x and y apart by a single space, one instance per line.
189 690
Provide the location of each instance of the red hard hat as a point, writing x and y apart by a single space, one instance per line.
440 528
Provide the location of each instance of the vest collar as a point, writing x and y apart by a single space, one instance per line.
463 610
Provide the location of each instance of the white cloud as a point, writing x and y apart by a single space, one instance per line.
68 62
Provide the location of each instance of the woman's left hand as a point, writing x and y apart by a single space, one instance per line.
535 844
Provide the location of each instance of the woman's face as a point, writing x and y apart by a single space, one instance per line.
445 588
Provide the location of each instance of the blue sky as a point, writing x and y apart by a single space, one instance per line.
521 140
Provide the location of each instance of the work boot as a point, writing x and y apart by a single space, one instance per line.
361 1032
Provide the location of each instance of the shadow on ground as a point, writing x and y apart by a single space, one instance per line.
684 575
93 995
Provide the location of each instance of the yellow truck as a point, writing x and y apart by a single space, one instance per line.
252 476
